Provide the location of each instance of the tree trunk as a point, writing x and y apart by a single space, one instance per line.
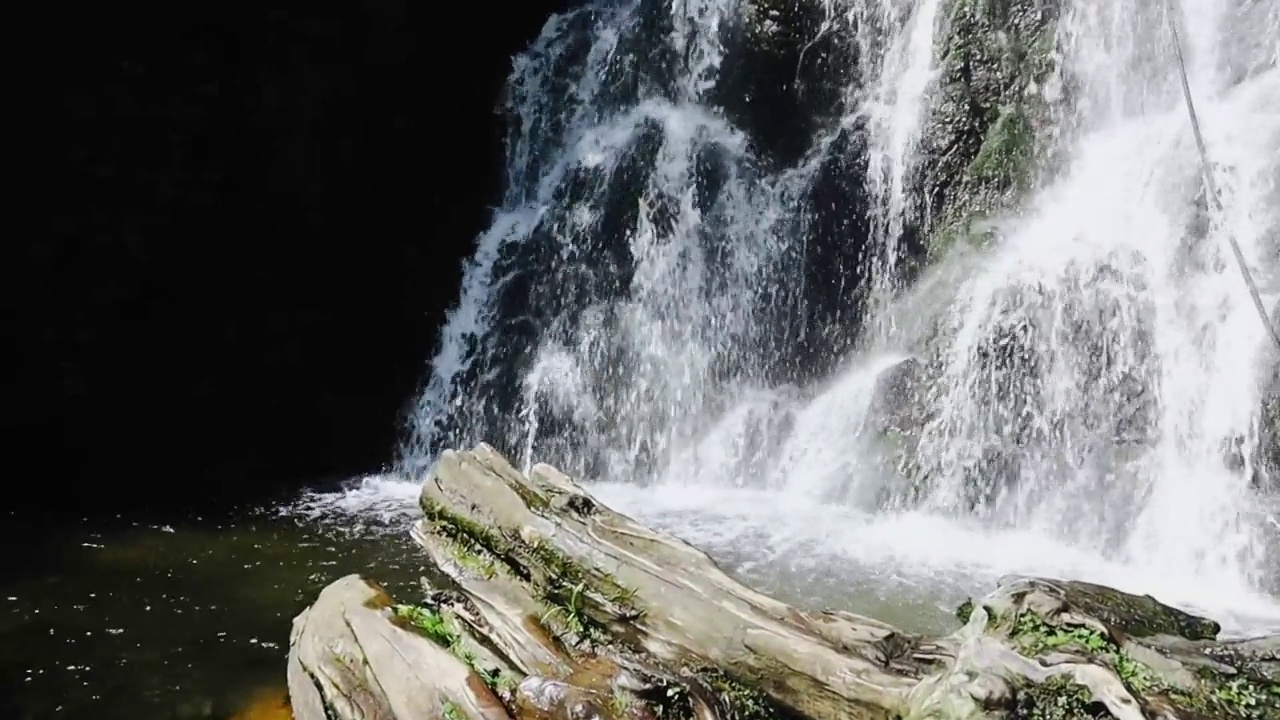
565 610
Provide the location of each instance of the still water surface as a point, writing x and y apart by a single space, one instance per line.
171 618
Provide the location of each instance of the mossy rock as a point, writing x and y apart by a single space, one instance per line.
1226 698
1166 658
968 228
1003 162
982 147
1136 616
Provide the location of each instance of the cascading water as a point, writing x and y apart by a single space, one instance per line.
1105 360
701 309
682 263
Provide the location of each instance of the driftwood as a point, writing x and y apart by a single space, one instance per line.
562 609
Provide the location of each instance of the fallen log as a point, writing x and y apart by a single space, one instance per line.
562 609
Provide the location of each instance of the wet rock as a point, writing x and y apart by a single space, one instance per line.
561 615
998 82
784 75
895 420
1268 451
1123 613
899 402
833 259
559 700
1258 658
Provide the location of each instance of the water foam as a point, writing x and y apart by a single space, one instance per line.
823 554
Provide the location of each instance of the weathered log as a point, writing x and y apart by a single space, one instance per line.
566 610
347 661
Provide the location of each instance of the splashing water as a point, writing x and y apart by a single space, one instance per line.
668 303
895 110
1106 356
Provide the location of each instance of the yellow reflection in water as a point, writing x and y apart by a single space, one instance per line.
269 703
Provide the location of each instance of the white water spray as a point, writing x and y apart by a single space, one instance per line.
895 109
1086 378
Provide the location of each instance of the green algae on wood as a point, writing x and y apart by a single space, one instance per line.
445 630
474 546
1058 698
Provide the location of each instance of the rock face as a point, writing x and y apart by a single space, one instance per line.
562 609
999 79
785 75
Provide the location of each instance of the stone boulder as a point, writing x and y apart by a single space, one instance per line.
895 420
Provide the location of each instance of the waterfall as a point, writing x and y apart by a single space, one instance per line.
654 261
1106 358
719 253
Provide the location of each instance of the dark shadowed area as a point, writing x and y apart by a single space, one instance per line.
239 228
240 225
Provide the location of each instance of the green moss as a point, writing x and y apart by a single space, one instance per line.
474 546
530 498
1003 163
739 701
570 590
1138 615
1213 696
965 612
573 596
452 711
965 226
1035 637
987 149
430 623
441 630
1058 698
565 572
1234 698
1247 699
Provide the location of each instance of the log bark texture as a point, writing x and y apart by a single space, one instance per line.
562 609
